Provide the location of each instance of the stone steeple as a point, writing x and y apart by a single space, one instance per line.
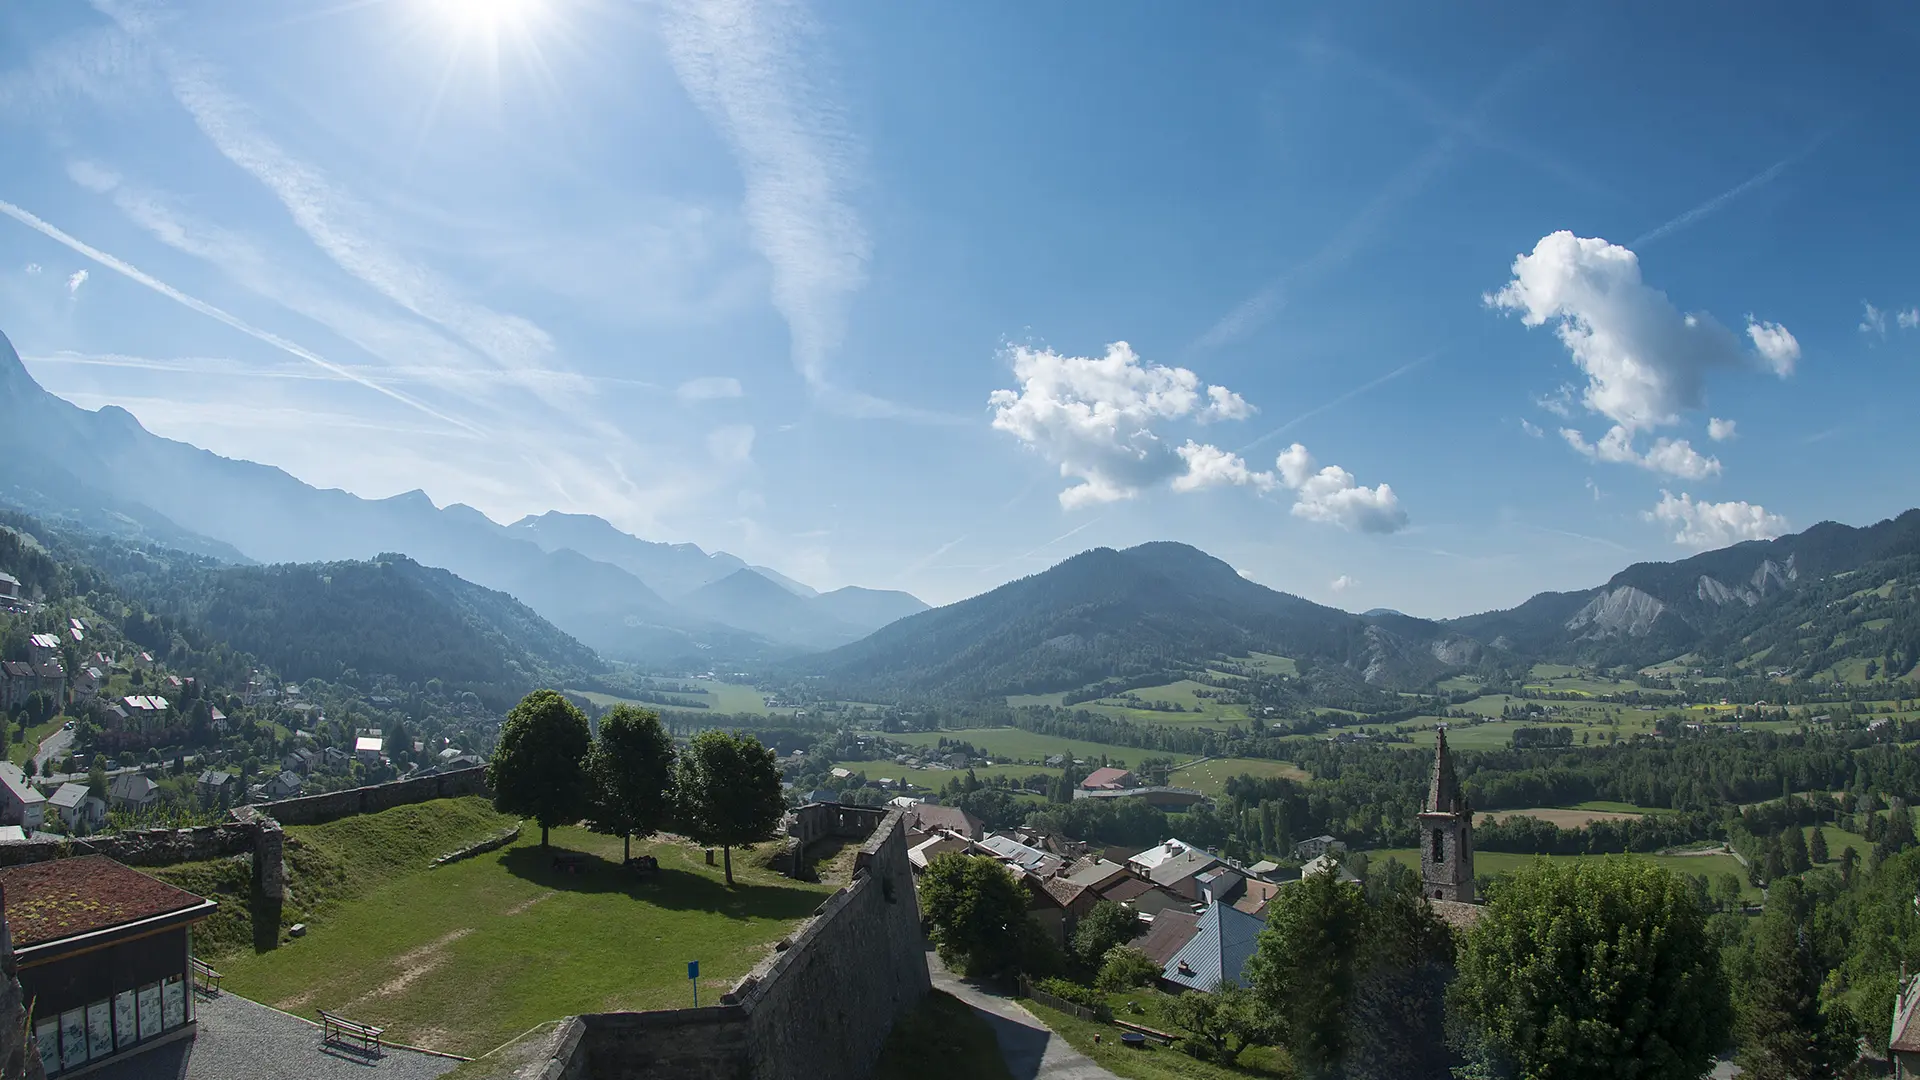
1446 832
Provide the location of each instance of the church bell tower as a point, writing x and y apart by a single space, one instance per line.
1446 833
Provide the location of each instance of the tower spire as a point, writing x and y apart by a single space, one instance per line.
1446 851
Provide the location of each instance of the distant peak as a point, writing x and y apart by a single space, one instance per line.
416 497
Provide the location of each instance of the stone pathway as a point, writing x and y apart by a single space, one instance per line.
1031 1049
240 1039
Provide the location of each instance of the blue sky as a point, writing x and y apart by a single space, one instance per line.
1418 310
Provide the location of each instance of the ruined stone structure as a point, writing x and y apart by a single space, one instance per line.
819 1008
334 805
819 821
1446 833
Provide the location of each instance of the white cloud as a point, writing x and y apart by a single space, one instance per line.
1873 321
33 269
1595 489
1342 583
1331 495
1209 466
1775 344
74 281
709 388
1712 525
1531 428
1644 359
1909 319
1673 457
1559 403
1721 430
1095 418
731 445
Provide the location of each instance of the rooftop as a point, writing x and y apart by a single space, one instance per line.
61 898
1171 932
1221 946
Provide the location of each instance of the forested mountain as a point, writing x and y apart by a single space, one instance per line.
389 616
1107 614
1799 603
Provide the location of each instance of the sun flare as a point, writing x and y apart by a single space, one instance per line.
488 17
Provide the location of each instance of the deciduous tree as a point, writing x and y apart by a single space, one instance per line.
729 792
538 766
1108 925
1302 970
630 773
975 908
1598 968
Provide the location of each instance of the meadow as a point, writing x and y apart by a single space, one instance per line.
1210 777
1497 863
465 957
935 779
720 697
1018 744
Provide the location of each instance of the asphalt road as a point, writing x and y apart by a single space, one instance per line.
1031 1049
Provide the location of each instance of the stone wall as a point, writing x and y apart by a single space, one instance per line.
142 847
334 805
819 1009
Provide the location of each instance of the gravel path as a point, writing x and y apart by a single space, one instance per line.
244 1040
1031 1049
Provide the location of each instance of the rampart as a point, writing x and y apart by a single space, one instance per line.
334 805
819 1008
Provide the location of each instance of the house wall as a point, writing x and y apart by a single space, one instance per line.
317 809
819 1009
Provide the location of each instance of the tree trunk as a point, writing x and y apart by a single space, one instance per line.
726 856
626 849
543 835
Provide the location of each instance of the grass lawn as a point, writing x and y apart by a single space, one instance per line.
1563 817
1506 862
1210 777
1839 841
1152 1062
1620 807
936 779
22 752
1022 745
1271 664
719 698
941 1039
466 957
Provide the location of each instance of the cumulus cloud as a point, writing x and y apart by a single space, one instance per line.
1712 525
78 278
1095 419
1721 430
1775 344
731 445
1559 403
709 388
1909 319
1331 495
1209 466
1531 428
33 269
1672 457
1645 360
1342 583
1874 321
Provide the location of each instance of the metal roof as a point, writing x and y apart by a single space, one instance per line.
1221 946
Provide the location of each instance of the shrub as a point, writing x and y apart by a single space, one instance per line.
1070 991
1125 969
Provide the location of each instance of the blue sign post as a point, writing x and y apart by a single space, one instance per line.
693 976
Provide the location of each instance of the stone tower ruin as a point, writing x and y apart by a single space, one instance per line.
1446 833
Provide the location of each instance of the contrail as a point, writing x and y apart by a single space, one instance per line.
128 270
1763 178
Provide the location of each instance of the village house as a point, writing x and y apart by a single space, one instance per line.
1224 940
88 682
368 749
1108 779
282 785
20 804
1316 847
10 588
302 760
927 817
132 793
17 684
215 785
80 810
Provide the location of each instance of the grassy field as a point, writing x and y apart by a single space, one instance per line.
1620 807
1271 664
719 697
1210 777
22 752
1021 745
467 956
1838 841
1561 816
1506 862
937 778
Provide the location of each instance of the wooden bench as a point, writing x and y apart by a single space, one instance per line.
205 979
1164 1038
642 865
569 862
332 1024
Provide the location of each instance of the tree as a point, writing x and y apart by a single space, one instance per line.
729 792
538 766
1785 1033
1302 969
1600 968
1726 889
1227 1015
1124 969
1849 863
630 774
975 909
1793 845
1817 846
97 781
1106 927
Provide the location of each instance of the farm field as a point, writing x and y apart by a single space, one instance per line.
1269 663
720 698
1022 745
1839 841
935 779
465 957
1210 777
1506 862
1564 817
1620 807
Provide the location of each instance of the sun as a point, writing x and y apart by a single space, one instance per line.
489 18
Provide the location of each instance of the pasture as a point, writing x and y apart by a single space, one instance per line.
464 957
1712 864
1565 818
1210 777
719 697
935 779
1018 744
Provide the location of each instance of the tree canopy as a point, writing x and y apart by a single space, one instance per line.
729 791
1599 968
976 910
538 766
630 774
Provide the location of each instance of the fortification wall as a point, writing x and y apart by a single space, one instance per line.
334 805
141 847
819 1009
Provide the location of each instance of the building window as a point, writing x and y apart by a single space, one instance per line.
1439 846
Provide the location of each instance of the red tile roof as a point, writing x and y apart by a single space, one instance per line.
1107 778
47 901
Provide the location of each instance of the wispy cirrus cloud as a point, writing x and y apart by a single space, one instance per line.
74 281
